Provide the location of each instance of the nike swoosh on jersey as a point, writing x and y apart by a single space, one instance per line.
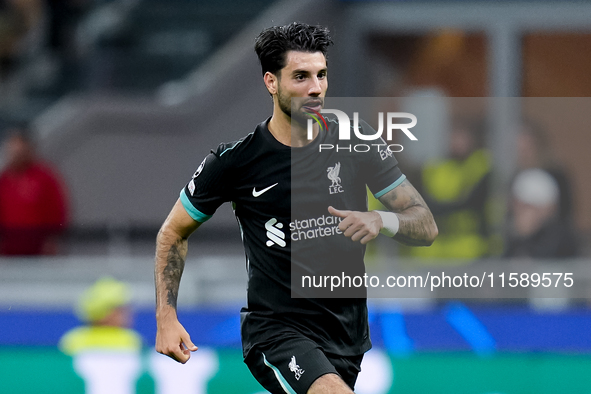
256 194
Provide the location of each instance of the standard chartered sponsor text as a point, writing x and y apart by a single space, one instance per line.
322 226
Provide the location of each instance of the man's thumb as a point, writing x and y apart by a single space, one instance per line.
336 212
190 345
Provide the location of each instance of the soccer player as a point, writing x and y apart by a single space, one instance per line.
278 180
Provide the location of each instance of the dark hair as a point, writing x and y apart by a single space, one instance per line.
273 43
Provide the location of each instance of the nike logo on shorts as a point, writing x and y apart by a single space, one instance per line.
256 194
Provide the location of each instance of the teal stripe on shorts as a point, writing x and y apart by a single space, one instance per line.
286 387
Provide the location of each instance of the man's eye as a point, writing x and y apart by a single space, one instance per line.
299 77
322 75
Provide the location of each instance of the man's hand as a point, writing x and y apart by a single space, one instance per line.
173 341
359 226
171 250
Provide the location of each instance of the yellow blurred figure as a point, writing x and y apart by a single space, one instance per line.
457 191
106 353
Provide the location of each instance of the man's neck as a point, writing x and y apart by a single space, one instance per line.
294 135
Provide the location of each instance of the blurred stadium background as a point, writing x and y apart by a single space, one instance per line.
125 97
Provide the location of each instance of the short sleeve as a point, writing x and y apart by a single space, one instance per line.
380 169
206 190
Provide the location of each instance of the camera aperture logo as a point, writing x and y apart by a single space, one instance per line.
316 116
345 128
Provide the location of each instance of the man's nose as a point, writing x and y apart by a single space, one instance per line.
316 87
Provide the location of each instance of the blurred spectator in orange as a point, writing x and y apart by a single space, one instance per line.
33 204
537 230
457 191
533 152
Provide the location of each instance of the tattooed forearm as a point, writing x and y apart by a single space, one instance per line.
171 252
175 263
417 226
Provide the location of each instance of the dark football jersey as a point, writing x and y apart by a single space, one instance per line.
280 197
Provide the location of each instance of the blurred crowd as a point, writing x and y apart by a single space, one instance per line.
29 25
539 203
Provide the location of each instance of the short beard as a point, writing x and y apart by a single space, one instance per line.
285 103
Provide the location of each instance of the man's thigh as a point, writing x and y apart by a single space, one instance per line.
329 384
291 365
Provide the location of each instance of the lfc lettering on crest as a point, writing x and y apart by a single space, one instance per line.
333 175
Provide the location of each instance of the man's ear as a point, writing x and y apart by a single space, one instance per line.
271 82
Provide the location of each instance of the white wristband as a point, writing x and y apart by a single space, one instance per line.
391 223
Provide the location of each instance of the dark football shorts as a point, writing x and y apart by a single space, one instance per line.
290 365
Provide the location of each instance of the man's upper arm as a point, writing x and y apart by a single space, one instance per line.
207 189
180 222
402 197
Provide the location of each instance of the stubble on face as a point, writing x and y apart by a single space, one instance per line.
293 98
294 107
284 100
